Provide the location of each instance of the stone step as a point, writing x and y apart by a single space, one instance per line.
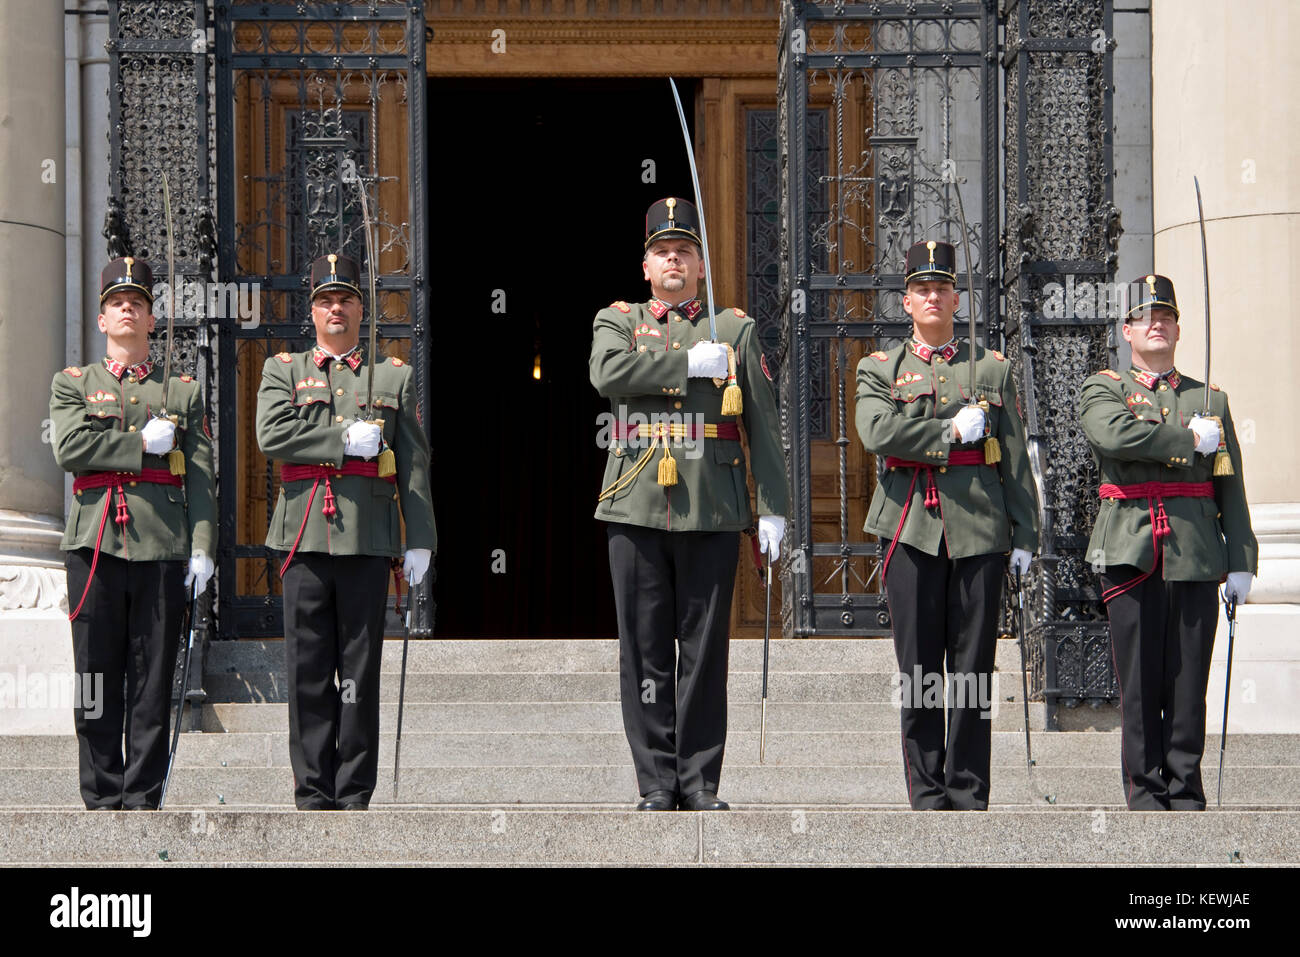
801 835
566 656
615 784
603 686
513 716
562 748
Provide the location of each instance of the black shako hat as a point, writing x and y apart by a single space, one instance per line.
931 259
335 272
126 273
672 218
1150 290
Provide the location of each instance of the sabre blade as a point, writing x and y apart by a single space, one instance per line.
171 296
1205 266
374 316
970 282
699 209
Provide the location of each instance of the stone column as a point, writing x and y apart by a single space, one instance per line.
1221 112
33 619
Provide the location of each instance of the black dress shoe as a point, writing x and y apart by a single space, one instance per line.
658 801
704 801
354 806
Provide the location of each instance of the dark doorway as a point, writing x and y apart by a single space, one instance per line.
537 198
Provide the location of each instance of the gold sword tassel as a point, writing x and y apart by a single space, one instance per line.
732 401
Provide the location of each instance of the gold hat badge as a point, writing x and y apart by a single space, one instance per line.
671 203
930 246
333 259
130 261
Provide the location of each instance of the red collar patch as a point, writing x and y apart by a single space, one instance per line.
320 357
925 353
116 369
1150 380
688 309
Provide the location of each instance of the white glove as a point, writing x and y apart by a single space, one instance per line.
969 423
1020 561
706 360
416 564
1206 432
1238 586
159 436
362 439
771 529
201 569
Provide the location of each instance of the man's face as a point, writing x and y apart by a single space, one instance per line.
1153 332
127 316
672 266
931 304
336 314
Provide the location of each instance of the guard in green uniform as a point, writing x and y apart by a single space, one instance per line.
675 496
957 494
346 464
143 509
1173 524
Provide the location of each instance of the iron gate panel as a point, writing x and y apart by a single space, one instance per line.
313 101
920 80
1062 232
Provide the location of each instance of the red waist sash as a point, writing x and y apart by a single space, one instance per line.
1155 493
314 473
955 457
115 480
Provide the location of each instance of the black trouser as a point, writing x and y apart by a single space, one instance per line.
943 607
1162 636
673 585
124 644
334 627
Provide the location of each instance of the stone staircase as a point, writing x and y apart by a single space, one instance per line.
513 752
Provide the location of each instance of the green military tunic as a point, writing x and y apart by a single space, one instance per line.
306 402
96 414
1136 424
638 361
906 400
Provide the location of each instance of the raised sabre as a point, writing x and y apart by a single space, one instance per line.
386 462
176 457
992 450
731 399
1222 461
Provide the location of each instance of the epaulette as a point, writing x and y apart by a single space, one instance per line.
999 356
397 362
187 378
740 313
1110 372
882 356
73 371
621 306
1215 387
284 357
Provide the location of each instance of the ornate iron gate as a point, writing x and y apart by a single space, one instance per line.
311 103
922 80
314 102
1062 233
913 118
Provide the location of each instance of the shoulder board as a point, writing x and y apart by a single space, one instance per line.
73 371
397 362
1111 373
1215 387
284 357
999 356
187 378
740 313
881 356
621 306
